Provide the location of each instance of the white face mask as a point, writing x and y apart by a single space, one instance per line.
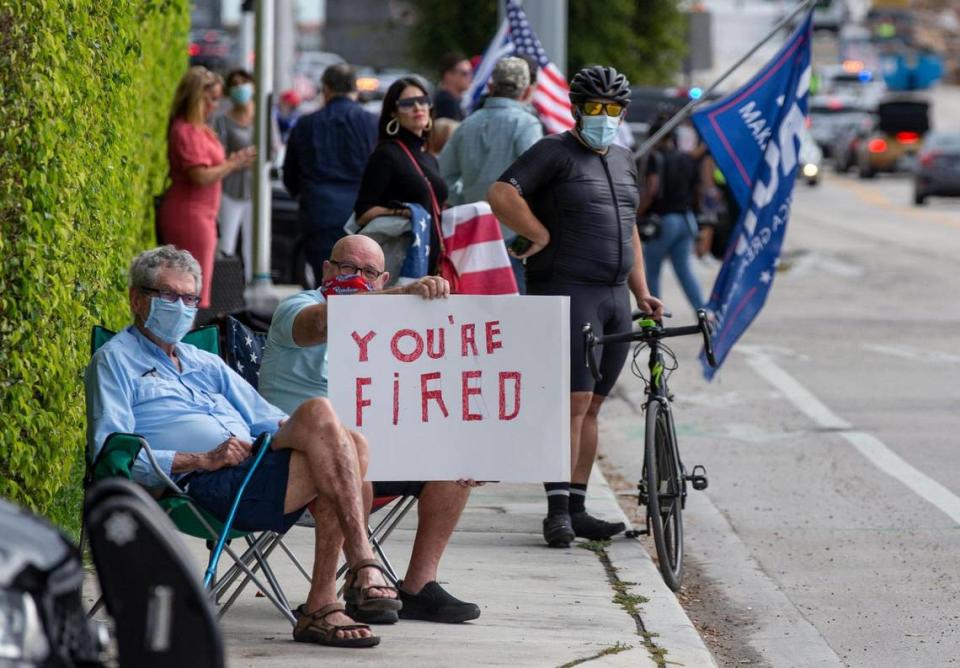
599 131
168 321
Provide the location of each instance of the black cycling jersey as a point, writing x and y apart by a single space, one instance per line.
587 201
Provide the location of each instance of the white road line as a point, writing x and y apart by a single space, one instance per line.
866 444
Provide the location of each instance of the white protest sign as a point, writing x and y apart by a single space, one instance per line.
466 387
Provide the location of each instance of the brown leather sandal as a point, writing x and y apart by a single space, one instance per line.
359 597
314 627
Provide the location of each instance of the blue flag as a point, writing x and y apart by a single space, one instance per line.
754 138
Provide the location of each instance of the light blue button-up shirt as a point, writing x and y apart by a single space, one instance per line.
133 387
486 143
291 374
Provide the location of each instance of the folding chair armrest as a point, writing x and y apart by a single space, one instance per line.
118 454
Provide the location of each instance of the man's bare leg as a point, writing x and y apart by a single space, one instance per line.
585 525
438 510
557 527
328 464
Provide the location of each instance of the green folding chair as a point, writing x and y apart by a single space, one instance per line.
116 458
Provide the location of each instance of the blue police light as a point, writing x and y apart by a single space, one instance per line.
865 75
695 93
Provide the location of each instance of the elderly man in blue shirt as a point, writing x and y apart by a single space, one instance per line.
492 138
201 419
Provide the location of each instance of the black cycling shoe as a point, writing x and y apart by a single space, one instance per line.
557 530
434 604
593 528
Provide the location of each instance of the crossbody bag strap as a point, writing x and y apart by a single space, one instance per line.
433 196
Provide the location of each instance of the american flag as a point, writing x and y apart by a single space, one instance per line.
516 37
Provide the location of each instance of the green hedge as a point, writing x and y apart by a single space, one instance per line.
86 87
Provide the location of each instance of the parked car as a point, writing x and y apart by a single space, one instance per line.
894 142
938 167
845 149
830 116
212 48
42 622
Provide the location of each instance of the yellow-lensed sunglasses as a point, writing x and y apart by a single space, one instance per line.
597 108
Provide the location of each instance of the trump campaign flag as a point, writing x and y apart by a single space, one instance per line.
754 138
514 38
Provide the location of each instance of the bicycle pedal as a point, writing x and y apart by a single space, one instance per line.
641 493
635 533
698 478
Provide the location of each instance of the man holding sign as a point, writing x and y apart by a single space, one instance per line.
294 370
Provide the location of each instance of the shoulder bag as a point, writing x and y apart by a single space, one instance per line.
445 266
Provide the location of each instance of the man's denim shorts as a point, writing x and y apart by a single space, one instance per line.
261 508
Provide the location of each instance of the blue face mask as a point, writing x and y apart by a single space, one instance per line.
241 93
599 131
170 322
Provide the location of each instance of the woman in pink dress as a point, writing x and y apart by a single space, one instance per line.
188 215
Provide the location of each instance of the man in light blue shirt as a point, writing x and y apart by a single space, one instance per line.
492 138
201 418
294 371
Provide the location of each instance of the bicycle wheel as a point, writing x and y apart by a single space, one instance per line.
664 491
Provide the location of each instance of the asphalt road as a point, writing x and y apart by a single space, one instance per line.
830 531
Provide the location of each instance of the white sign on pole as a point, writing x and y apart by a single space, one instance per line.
466 387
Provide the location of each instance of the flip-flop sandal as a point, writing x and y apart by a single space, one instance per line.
360 599
314 627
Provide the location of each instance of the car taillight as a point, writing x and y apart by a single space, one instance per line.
877 146
908 137
193 50
927 159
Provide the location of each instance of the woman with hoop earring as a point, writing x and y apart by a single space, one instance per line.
401 169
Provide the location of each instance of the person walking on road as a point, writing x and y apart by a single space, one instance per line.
672 181
235 130
574 197
198 165
492 138
327 153
456 73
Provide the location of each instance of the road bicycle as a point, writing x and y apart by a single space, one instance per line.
663 488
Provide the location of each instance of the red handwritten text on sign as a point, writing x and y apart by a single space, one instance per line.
409 345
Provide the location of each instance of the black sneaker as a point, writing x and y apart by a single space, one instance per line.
434 604
593 528
557 530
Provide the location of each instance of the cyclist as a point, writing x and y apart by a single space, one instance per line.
574 196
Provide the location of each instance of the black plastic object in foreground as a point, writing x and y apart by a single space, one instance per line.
162 613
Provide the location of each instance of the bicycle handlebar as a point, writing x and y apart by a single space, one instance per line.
591 340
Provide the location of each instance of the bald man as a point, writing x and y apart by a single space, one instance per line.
294 370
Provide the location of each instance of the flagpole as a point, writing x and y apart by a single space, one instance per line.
682 115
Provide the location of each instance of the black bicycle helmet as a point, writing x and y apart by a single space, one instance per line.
597 82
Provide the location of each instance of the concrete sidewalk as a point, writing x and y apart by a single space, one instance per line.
541 606
588 604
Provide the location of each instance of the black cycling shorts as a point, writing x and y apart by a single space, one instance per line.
607 309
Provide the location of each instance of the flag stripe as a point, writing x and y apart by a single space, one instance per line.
475 230
498 281
479 256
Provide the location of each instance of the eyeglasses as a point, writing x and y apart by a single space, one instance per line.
596 108
408 103
368 273
172 297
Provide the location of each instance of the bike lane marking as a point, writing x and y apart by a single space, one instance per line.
868 445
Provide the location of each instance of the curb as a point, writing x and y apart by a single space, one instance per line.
663 616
